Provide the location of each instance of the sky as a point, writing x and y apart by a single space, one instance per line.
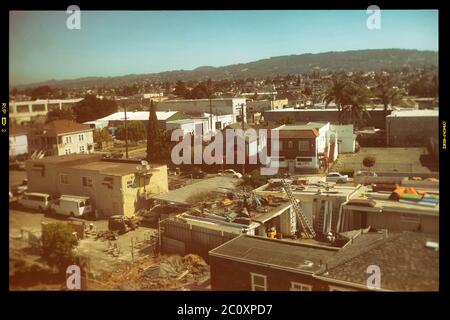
114 43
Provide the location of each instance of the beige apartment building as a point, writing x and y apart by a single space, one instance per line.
116 187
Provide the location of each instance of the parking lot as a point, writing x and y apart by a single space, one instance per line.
387 160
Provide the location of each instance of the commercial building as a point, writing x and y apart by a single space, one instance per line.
301 116
25 111
118 118
115 186
321 203
381 211
262 264
402 127
223 106
61 137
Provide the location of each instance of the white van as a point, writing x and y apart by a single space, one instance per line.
35 200
75 206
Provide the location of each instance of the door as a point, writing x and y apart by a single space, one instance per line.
291 166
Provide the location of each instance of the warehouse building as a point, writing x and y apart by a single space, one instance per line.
402 127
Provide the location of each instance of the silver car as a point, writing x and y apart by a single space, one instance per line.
336 177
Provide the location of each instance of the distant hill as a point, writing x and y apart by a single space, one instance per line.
357 60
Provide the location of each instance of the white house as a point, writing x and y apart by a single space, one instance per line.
62 137
18 142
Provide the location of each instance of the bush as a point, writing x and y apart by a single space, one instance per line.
58 243
369 161
254 179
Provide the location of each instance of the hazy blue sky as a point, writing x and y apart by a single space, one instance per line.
112 43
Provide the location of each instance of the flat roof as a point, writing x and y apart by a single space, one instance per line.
308 126
414 113
392 205
215 184
292 255
91 162
312 189
135 115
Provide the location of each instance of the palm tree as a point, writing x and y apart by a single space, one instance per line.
336 92
386 92
354 101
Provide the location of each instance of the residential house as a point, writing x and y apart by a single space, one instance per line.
61 137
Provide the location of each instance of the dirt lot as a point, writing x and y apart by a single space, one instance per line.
103 256
388 160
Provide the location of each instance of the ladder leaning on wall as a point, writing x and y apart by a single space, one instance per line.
307 228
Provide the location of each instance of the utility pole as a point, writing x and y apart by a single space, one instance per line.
126 132
243 131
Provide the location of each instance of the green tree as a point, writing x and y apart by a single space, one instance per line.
42 92
136 131
254 179
102 136
369 162
92 108
58 243
180 89
58 114
153 135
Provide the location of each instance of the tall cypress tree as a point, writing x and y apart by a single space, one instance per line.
153 137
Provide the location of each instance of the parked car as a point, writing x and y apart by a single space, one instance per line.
121 224
230 173
21 188
35 200
364 173
74 206
336 177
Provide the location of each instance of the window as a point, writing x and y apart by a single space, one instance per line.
303 145
300 159
81 148
68 139
280 145
38 107
259 282
64 179
297 286
86 181
59 140
81 137
67 151
290 144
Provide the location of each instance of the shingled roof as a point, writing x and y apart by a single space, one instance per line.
57 127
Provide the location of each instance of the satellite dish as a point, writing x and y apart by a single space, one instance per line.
144 163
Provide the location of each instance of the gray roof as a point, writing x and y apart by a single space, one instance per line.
215 184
